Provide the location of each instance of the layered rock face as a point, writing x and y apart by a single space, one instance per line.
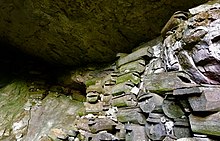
192 45
78 32
165 90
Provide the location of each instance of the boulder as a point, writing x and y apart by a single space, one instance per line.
80 32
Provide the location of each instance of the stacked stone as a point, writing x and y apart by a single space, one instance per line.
157 92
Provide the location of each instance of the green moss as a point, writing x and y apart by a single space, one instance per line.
119 104
158 88
91 82
12 99
128 77
81 111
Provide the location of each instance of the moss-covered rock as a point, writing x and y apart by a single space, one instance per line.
24 115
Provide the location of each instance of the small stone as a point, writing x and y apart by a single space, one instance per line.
18 136
71 138
58 133
167 138
182 131
106 98
135 90
93 108
28 105
76 139
112 113
121 132
183 122
169 127
83 124
92 97
73 133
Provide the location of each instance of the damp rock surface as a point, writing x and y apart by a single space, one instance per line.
78 32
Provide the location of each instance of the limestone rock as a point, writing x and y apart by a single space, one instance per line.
144 51
182 128
172 109
148 105
208 125
93 108
92 97
57 133
209 100
121 88
166 82
102 124
104 136
80 32
39 118
132 77
188 91
135 132
136 66
155 118
131 116
124 101
155 132
193 46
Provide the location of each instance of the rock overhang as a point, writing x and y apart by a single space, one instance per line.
81 32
